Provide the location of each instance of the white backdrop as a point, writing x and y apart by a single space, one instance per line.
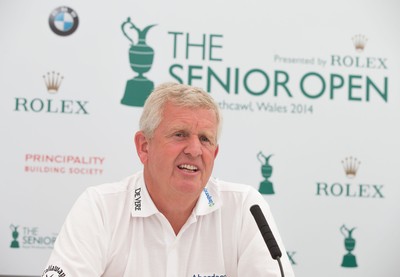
290 83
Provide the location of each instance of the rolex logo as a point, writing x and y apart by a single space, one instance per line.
350 189
350 166
53 81
53 105
359 42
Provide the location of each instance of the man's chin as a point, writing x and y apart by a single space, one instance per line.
190 188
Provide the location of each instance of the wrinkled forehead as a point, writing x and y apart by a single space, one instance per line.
173 109
199 117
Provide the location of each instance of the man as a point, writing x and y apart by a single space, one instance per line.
171 219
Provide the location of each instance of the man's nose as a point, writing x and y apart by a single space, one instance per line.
193 147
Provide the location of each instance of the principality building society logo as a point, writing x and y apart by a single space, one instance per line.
63 21
141 59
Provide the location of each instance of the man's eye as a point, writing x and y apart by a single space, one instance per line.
204 139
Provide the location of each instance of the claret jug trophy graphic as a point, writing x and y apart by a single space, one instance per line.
266 187
141 59
15 234
349 260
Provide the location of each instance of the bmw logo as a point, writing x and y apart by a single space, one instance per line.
63 21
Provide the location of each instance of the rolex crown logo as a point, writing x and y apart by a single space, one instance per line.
359 42
53 81
350 166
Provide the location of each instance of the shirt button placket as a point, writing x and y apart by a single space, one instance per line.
172 261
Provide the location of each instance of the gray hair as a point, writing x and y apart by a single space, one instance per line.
177 94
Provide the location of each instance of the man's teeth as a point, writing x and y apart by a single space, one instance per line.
188 167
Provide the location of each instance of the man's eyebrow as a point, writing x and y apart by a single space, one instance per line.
176 129
179 129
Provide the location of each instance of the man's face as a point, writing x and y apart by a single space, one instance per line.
179 158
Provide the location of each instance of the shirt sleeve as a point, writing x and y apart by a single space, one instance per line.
254 256
80 247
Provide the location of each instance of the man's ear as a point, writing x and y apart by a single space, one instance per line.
142 144
216 151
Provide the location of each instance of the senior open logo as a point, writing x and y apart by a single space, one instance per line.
141 58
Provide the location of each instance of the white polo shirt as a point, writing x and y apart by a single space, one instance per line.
116 230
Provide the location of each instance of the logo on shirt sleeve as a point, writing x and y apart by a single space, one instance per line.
53 271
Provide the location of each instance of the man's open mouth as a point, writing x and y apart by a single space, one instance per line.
188 167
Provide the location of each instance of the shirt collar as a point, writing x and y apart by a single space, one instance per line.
143 205
209 199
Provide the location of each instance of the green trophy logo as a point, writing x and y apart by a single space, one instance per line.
141 59
15 234
266 187
349 260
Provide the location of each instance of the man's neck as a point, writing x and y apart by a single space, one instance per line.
177 218
177 210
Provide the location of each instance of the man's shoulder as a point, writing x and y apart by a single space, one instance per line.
226 186
235 196
233 190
